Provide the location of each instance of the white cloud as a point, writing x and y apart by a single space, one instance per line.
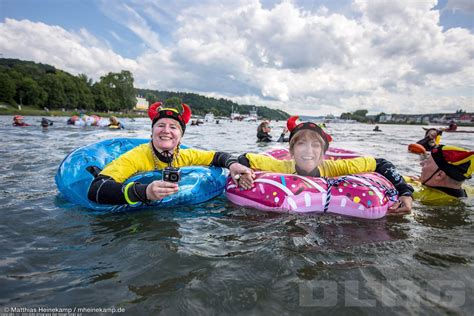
390 56
73 52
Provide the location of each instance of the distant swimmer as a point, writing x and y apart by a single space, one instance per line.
452 126
431 139
263 133
114 123
45 122
72 120
196 122
18 121
377 129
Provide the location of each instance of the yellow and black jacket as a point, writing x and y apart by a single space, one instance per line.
142 158
438 195
331 168
107 187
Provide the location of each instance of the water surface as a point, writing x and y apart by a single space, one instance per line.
217 258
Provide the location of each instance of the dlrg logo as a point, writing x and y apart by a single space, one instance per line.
392 293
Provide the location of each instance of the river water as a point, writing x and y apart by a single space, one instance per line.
217 258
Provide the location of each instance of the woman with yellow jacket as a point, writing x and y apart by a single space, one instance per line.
308 143
163 152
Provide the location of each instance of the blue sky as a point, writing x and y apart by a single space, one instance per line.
305 57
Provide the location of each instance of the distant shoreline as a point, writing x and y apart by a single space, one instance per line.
423 124
28 111
53 113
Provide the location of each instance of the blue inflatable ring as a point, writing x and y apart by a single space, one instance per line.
197 184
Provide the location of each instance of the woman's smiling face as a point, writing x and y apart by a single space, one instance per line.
307 150
166 134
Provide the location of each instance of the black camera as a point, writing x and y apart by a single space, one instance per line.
171 174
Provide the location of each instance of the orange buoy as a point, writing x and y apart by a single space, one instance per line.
416 149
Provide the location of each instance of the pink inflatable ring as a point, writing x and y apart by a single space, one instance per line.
367 195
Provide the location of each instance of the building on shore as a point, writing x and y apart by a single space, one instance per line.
141 105
462 118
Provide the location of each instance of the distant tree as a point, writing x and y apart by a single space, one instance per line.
173 102
151 98
54 87
102 99
15 76
84 89
86 80
70 89
115 91
361 113
201 105
346 116
122 90
7 88
30 93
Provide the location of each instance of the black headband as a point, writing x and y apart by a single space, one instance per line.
170 113
312 127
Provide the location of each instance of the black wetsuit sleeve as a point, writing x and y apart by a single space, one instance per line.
264 137
105 190
244 160
223 159
283 139
388 170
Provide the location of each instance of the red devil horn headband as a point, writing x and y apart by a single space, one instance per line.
186 115
153 109
291 123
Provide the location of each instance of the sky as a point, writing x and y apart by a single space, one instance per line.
305 57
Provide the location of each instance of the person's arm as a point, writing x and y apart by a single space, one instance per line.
237 170
108 186
266 163
388 170
283 139
341 167
105 190
223 159
209 158
196 157
263 163
264 137
405 191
